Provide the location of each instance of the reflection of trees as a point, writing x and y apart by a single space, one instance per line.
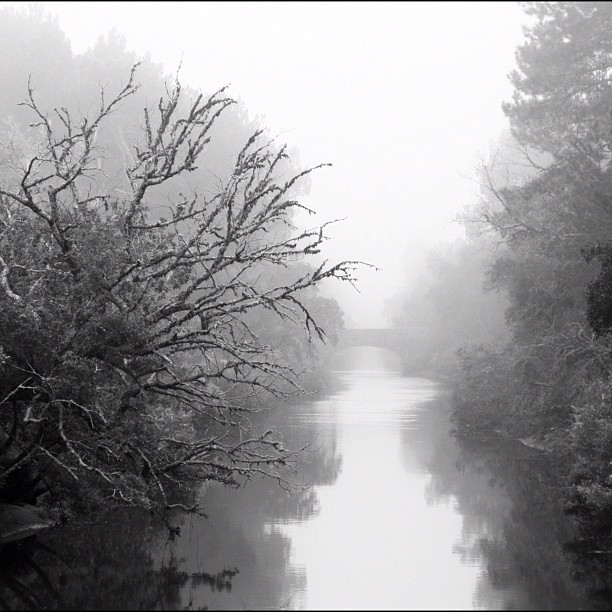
100 565
19 570
528 552
591 552
231 537
300 425
513 520
231 560
240 529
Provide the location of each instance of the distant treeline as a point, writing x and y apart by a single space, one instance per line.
527 298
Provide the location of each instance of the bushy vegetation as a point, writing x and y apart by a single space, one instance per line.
521 312
550 382
154 291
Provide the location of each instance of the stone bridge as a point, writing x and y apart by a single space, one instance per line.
412 344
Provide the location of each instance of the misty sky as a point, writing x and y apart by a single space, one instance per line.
399 97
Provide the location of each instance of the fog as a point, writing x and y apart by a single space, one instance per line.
197 412
401 98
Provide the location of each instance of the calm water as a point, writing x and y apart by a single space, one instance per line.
399 515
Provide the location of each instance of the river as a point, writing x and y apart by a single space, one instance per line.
399 515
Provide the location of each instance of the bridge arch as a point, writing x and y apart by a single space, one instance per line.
411 344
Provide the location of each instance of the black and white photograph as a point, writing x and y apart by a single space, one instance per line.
306 305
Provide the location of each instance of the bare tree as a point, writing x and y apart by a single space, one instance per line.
127 364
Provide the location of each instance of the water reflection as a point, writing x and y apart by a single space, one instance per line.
232 560
513 525
375 543
19 570
399 515
241 529
106 565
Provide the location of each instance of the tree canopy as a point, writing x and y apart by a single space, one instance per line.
551 380
144 289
